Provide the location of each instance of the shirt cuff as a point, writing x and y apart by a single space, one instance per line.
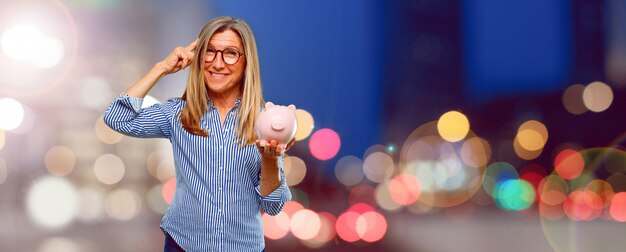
135 102
275 196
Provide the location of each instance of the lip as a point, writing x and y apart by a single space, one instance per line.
217 76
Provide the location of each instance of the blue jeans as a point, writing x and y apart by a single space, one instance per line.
172 246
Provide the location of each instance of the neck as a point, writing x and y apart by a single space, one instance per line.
225 100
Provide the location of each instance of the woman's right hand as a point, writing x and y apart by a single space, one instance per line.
179 59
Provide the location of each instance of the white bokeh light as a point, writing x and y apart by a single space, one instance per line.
49 53
12 114
52 202
18 42
109 169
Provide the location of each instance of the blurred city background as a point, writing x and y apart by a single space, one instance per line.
425 125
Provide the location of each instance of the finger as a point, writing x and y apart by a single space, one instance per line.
266 148
279 150
193 45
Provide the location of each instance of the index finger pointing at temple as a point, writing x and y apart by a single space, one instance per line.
193 45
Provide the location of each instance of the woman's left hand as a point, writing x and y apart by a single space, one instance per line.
272 150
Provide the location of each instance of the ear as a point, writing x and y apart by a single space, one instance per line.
269 105
292 107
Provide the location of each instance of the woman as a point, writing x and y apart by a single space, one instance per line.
223 174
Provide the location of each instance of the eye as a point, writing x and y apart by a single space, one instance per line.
231 53
210 51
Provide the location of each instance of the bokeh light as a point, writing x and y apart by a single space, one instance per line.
122 204
597 96
553 190
4 172
106 134
497 173
52 202
324 144
382 194
60 160
378 167
476 152
371 226
514 194
523 153
295 170
19 42
59 244
2 138
349 170
305 124
569 164
346 226
91 207
618 207
573 99
169 189
601 188
305 224
404 189
155 200
49 53
12 114
453 126
109 169
276 227
327 231
160 165
25 42
532 135
582 205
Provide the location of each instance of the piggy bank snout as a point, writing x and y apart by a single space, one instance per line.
278 123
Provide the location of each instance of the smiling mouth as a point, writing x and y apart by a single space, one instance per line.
217 75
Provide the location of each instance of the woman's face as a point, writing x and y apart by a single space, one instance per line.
220 77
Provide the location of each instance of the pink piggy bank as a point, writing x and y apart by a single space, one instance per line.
276 122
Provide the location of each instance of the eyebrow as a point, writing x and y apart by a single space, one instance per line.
228 47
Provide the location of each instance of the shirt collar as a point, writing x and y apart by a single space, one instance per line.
237 102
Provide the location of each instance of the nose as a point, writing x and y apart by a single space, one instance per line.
218 63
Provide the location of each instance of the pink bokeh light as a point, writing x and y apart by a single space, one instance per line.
324 144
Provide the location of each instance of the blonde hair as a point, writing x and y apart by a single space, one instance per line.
197 94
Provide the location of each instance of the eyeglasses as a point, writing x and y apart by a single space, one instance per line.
229 55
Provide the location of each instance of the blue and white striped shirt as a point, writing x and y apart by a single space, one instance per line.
217 202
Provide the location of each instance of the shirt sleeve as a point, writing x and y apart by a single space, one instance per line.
273 203
126 116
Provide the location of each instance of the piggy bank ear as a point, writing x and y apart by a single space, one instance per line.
291 107
269 105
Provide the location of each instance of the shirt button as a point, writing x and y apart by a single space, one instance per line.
220 167
221 146
220 188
